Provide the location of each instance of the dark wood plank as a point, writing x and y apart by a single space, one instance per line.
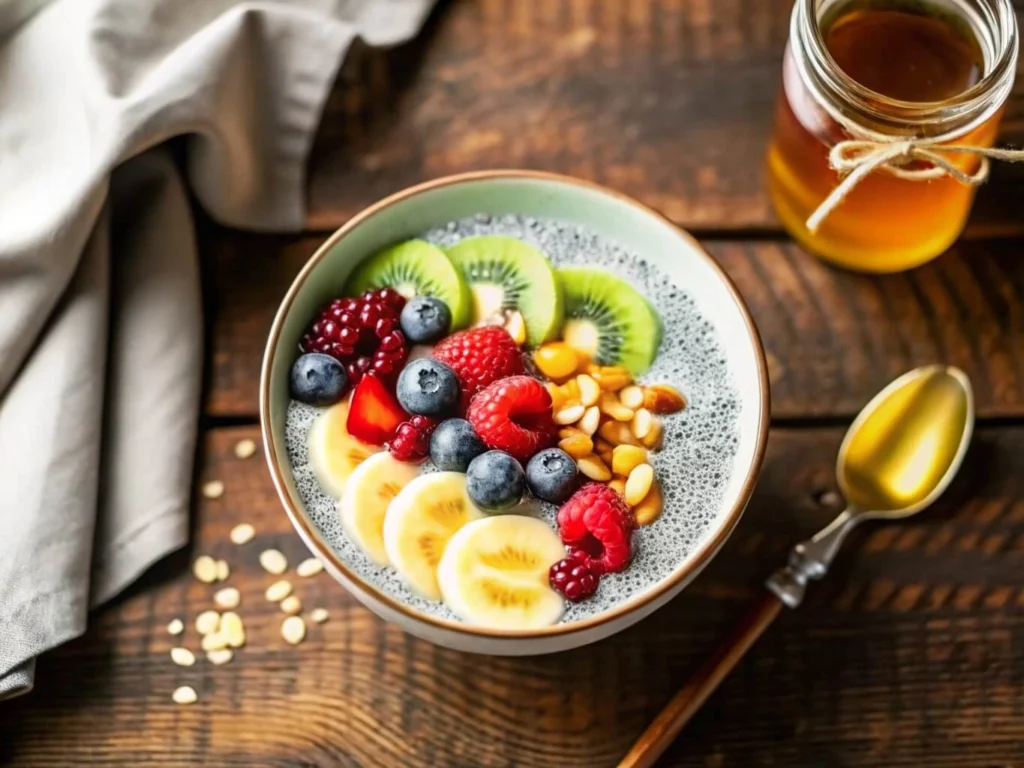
667 100
833 338
910 653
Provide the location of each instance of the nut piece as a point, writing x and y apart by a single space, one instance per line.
232 628
663 399
291 605
567 432
175 627
319 615
649 510
617 433
632 397
626 457
205 569
590 421
242 533
558 397
638 484
245 448
223 571
183 657
655 436
618 484
293 630
516 327
220 656
309 567
611 378
207 622
610 406
577 446
278 591
213 489
569 414
229 597
214 641
641 424
185 695
273 561
594 468
589 390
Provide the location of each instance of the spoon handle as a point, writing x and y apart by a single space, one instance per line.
666 726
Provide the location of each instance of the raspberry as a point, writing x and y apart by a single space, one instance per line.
596 526
412 441
514 415
479 356
574 578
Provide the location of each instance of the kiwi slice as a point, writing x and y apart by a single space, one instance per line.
608 319
505 274
415 268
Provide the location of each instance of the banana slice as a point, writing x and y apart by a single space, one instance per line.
333 452
370 488
494 573
420 521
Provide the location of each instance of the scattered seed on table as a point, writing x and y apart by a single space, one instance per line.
233 629
205 569
278 591
242 533
213 489
220 656
214 641
229 597
207 622
309 567
183 657
291 605
175 627
273 561
319 615
223 570
186 694
293 630
245 448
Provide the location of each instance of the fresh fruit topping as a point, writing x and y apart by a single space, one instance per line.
370 488
515 324
428 387
514 415
375 414
556 360
607 320
419 522
597 527
317 379
333 453
412 440
552 475
495 481
479 356
506 274
425 319
415 268
454 445
573 578
495 573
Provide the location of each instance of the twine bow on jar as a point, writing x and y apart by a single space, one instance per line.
855 159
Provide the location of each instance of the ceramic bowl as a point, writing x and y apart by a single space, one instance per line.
607 213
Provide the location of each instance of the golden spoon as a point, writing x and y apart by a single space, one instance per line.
899 455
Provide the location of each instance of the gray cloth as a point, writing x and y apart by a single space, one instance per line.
100 325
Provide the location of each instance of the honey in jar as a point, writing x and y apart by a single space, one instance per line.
887 71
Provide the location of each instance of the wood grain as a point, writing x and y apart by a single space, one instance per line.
833 338
909 653
667 100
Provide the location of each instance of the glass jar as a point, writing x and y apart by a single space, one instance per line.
886 222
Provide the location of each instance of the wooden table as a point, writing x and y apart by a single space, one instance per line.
911 653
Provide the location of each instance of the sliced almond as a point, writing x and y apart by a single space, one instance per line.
185 694
273 561
655 436
242 533
610 406
649 510
244 449
278 591
309 567
638 484
626 458
223 570
233 629
229 597
175 627
641 424
207 622
214 641
593 467
632 397
569 414
663 399
205 569
183 657
291 605
220 656
590 421
577 446
589 390
318 615
293 630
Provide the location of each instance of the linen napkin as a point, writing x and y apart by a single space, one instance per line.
100 324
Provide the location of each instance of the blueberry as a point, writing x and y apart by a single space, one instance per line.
454 444
425 319
495 481
552 475
428 388
318 379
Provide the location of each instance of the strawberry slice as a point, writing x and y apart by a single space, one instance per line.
374 415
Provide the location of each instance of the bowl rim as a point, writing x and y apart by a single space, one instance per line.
692 566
